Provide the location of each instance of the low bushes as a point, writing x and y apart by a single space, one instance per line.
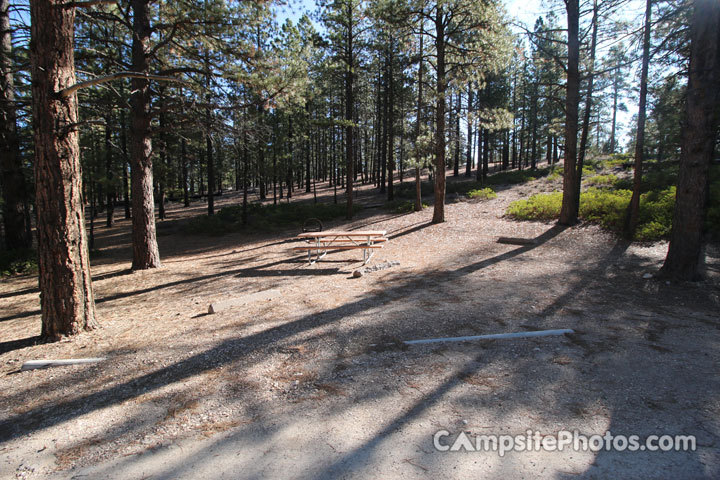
511 177
264 217
17 262
486 193
606 207
538 207
609 180
403 206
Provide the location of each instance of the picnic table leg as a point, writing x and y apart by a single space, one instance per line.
318 255
367 252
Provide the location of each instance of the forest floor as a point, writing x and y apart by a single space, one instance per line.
317 384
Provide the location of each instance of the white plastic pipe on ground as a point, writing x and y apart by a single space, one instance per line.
33 364
494 336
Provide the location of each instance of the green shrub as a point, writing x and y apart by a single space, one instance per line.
538 207
406 206
214 226
407 189
513 177
647 232
606 207
555 174
486 193
623 184
617 159
595 163
462 187
264 217
17 262
609 179
659 176
658 206
588 170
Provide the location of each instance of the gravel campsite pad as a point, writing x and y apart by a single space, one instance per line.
317 382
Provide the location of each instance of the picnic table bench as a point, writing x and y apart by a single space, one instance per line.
318 243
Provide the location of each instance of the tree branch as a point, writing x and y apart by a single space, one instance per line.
66 92
88 3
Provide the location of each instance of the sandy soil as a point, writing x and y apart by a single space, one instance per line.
317 384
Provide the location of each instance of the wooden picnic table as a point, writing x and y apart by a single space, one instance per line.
320 242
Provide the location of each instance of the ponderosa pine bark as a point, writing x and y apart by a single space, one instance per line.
349 102
588 105
110 198
468 157
699 133
439 207
209 143
456 153
125 163
418 185
66 294
13 181
391 125
145 249
570 205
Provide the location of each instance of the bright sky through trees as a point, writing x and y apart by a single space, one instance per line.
524 13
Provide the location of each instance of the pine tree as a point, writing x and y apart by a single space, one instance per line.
699 134
67 302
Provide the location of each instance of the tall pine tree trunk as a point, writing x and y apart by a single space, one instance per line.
123 146
634 207
163 167
456 163
699 133
383 134
66 294
468 157
616 93
588 105
391 129
506 150
208 141
534 115
110 198
349 103
210 172
183 161
13 181
418 119
439 208
485 154
145 250
569 209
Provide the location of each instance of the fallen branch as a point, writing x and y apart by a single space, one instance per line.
416 464
516 241
34 364
494 336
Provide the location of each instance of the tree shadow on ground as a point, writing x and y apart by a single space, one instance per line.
33 420
523 388
18 344
594 357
